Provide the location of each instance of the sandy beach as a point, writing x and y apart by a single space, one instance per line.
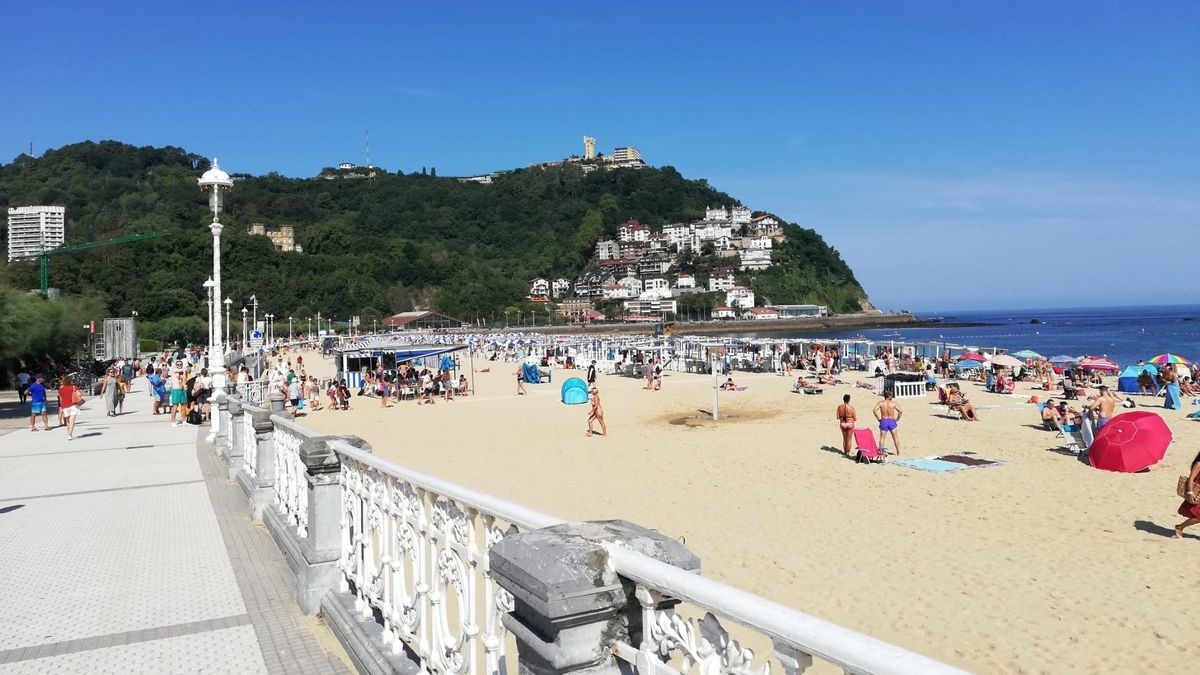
1039 565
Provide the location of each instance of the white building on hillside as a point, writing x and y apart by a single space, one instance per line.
721 280
719 213
634 285
560 287
633 231
33 229
685 281
679 234
739 297
740 215
655 288
755 259
608 249
539 288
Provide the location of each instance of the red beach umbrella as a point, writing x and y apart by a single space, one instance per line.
1130 442
1098 363
972 356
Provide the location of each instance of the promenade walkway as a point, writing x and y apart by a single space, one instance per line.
127 550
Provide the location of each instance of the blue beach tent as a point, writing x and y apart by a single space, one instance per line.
574 391
531 373
1127 382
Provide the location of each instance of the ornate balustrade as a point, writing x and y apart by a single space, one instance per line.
291 482
249 446
415 549
673 645
409 564
254 392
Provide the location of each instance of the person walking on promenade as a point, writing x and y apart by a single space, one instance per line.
1190 508
23 385
888 414
178 394
69 401
37 403
109 391
846 416
596 413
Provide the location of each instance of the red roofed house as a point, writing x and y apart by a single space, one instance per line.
760 313
724 313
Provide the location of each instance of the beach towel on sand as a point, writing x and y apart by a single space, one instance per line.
947 463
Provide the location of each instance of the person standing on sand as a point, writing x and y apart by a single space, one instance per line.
520 382
591 374
596 413
847 416
1171 384
1190 508
1104 405
888 414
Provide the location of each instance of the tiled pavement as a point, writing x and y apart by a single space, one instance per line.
127 550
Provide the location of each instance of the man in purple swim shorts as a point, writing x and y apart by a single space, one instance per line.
888 414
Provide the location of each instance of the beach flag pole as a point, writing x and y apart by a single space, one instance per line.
716 415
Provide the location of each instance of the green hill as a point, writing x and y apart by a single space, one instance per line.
370 246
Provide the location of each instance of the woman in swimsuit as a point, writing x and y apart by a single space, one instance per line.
846 416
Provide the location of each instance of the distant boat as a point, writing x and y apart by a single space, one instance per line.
892 335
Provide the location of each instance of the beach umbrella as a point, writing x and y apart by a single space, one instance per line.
972 356
1098 363
966 364
1027 354
1006 360
1168 358
1130 442
1063 358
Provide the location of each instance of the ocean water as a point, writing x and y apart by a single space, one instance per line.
1124 334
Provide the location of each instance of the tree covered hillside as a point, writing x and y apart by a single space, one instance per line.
371 247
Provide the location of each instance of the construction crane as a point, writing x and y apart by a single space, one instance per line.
44 256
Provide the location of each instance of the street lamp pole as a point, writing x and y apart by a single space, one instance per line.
289 329
216 182
208 286
254 303
308 332
228 302
245 335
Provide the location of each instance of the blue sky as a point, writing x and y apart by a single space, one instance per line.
1046 151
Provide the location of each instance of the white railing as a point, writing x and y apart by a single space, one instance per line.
291 481
415 549
254 392
900 389
249 444
704 646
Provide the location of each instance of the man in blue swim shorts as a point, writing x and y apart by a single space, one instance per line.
888 414
37 400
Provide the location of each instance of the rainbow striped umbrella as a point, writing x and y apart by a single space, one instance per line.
1168 358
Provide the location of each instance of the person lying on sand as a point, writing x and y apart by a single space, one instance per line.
729 385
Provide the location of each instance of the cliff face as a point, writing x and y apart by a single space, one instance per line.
372 245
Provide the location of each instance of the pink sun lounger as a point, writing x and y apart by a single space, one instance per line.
868 451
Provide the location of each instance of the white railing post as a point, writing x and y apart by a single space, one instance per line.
572 610
257 472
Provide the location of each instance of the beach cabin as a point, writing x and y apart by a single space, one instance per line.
354 360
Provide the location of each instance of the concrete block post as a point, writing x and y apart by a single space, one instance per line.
220 410
234 428
259 488
275 401
569 609
319 551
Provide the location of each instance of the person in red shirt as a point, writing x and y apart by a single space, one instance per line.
69 400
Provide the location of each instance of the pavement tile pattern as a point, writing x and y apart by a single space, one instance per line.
128 550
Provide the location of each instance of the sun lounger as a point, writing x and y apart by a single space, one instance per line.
868 451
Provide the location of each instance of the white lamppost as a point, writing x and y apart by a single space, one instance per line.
289 329
216 182
208 286
270 328
254 303
228 302
308 332
245 335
